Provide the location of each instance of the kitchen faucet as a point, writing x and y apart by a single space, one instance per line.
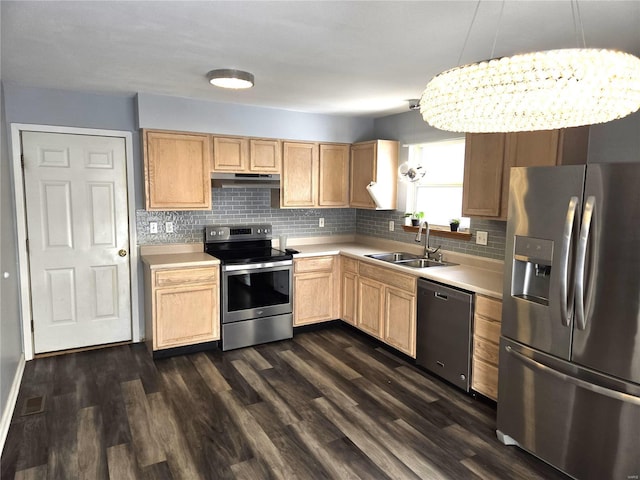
427 250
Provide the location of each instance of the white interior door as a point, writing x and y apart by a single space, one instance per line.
77 222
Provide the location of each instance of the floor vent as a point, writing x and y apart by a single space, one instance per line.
32 406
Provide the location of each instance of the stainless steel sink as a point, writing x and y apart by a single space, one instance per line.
394 257
424 263
408 260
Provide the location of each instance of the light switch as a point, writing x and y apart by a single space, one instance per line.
481 238
321 222
153 227
168 227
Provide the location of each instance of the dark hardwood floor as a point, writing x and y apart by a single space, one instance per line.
327 404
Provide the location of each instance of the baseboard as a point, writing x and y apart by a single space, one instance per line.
11 402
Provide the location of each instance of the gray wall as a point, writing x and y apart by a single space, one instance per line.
617 141
10 325
77 109
175 113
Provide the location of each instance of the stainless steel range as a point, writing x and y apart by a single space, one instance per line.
256 295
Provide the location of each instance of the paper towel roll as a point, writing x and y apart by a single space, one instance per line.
375 193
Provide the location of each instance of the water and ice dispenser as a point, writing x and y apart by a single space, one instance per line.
532 263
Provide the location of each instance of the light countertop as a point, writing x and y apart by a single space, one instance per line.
485 281
474 274
180 260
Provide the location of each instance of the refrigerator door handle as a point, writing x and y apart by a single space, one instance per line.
566 287
581 258
578 382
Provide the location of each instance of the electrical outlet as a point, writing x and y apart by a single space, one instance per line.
168 227
321 222
392 226
481 238
153 227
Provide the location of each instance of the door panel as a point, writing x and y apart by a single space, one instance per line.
609 340
539 200
77 221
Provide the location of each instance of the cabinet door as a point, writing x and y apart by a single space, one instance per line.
349 297
299 175
230 154
400 320
264 156
176 168
483 170
313 298
333 190
186 315
363 171
370 306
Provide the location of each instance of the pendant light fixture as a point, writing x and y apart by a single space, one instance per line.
534 91
229 78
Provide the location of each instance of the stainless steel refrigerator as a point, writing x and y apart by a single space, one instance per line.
569 375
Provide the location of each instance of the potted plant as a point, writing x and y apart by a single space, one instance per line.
454 224
415 217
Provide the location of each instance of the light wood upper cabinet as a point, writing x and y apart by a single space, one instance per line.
333 183
265 156
314 175
483 167
374 161
299 181
183 306
176 171
246 155
230 154
315 290
490 156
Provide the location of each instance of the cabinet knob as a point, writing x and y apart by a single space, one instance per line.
122 252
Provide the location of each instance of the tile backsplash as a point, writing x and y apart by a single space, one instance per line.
253 205
376 224
240 206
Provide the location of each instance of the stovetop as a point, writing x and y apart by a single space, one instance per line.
242 244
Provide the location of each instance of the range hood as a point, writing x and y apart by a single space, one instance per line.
245 180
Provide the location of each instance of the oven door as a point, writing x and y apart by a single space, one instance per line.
256 290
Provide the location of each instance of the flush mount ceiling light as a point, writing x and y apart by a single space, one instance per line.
534 91
229 78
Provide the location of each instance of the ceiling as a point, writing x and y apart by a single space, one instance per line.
360 58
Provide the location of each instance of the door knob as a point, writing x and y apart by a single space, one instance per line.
122 252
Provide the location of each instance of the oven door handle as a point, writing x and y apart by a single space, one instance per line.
256 266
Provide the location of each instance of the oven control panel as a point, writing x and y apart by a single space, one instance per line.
231 233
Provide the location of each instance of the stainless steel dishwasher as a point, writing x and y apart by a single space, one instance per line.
443 344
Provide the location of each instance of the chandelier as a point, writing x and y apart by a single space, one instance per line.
534 91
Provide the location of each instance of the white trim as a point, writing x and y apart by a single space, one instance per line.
10 406
23 261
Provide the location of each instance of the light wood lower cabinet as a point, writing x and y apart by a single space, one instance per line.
384 303
486 339
183 306
349 286
316 294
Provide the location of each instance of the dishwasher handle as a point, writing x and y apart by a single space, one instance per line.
441 296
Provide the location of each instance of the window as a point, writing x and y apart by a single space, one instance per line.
439 193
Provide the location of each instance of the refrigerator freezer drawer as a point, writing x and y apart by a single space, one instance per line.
582 422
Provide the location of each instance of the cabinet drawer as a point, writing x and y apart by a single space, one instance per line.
484 350
349 264
484 379
313 264
487 329
164 278
489 307
389 277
